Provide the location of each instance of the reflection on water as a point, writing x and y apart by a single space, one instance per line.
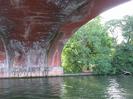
89 87
114 90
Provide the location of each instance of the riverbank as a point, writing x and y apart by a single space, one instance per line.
64 75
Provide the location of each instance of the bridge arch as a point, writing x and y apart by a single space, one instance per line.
93 9
34 32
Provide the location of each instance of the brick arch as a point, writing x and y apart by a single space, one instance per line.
68 29
34 32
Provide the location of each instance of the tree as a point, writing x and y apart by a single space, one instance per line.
89 48
123 58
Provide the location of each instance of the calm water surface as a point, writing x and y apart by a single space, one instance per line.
89 87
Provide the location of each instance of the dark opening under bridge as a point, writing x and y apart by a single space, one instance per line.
33 32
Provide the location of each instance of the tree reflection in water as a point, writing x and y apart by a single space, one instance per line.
81 87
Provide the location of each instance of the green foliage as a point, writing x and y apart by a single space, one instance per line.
89 48
123 59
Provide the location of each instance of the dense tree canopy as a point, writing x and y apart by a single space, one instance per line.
91 48
123 59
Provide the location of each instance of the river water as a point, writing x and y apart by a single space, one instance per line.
82 87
